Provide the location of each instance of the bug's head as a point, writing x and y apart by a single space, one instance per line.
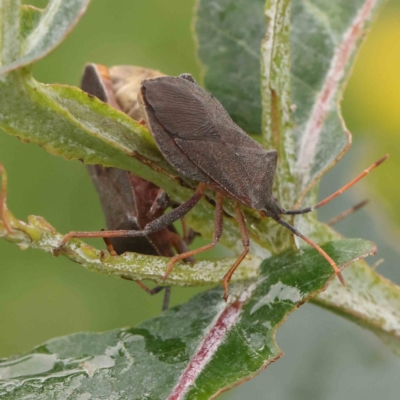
271 208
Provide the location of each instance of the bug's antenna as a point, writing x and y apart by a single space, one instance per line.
348 212
338 192
316 247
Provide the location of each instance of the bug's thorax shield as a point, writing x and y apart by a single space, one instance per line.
161 114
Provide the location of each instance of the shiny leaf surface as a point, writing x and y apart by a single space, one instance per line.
186 352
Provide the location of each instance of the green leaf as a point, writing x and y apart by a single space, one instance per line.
39 234
29 19
67 122
38 32
9 31
324 38
229 35
302 83
369 300
185 352
276 103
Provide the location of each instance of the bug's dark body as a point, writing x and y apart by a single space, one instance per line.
198 137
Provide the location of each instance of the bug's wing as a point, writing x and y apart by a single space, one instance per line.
246 172
172 110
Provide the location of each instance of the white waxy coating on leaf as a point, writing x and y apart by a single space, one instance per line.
97 362
366 299
278 292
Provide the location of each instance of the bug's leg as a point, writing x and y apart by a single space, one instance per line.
167 296
153 226
3 198
160 204
151 292
338 192
246 244
219 213
316 247
109 245
346 213
180 245
155 290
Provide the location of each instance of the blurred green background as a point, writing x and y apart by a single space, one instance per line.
42 297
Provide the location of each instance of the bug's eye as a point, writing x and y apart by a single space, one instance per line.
188 77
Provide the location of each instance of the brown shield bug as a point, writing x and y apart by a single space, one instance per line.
199 139
128 201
